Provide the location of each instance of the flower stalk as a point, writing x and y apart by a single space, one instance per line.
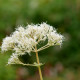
37 57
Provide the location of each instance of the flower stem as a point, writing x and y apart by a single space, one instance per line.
44 47
38 63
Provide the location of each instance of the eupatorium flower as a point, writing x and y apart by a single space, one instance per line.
14 59
24 40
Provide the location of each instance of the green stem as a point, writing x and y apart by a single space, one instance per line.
31 64
44 47
38 63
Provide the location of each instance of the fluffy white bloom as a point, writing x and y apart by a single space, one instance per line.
8 43
54 39
14 59
24 39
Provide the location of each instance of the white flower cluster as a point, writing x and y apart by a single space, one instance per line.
25 39
14 59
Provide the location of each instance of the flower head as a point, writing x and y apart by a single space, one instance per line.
24 39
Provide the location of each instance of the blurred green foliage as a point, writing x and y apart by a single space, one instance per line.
6 72
62 14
